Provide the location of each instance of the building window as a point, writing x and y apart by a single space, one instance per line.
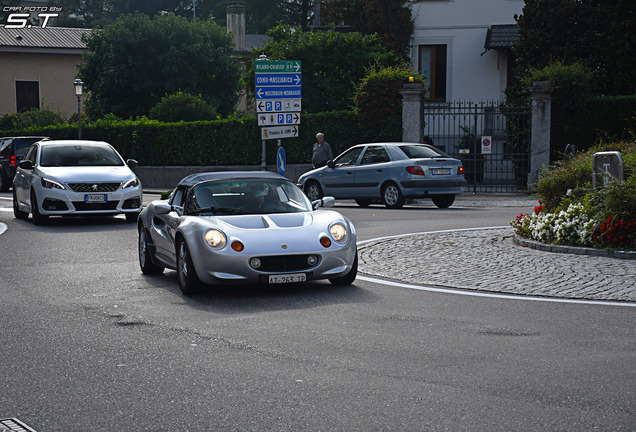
433 68
27 95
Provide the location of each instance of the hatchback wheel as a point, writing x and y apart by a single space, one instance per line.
189 282
392 196
145 257
313 191
4 184
19 214
38 218
443 201
363 202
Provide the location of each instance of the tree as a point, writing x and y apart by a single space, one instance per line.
390 19
600 34
332 63
135 61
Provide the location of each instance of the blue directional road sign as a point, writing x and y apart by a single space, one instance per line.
279 92
281 161
276 79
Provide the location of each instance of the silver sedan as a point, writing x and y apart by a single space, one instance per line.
388 173
245 228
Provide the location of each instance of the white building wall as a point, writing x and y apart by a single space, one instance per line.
462 25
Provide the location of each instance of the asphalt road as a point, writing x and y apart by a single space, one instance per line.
90 344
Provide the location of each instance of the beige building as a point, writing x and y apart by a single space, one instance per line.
38 67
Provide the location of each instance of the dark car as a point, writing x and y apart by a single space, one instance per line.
12 151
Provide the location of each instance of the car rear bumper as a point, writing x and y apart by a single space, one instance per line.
425 188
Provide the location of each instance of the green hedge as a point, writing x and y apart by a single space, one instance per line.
220 142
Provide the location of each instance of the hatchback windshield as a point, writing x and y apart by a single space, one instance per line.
246 196
79 155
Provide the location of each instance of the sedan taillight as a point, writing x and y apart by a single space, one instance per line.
12 161
460 170
415 170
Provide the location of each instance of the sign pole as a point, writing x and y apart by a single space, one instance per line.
264 156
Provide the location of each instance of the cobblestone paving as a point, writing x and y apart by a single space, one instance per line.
488 260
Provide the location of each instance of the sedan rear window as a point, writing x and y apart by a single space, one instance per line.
422 151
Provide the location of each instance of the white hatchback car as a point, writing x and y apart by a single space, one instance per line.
73 177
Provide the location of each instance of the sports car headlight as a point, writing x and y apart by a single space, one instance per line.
338 232
131 183
215 239
51 184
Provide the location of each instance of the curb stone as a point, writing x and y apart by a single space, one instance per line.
568 249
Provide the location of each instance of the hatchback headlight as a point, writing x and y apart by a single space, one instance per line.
131 183
338 232
51 184
215 239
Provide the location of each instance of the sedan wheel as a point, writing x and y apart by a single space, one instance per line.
19 214
38 219
188 280
443 201
314 191
392 196
145 258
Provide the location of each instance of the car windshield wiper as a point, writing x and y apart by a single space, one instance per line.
216 210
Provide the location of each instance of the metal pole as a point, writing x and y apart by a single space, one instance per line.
263 157
79 117
475 155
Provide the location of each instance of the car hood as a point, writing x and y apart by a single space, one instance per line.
283 220
82 174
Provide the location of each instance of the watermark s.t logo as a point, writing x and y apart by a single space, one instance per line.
19 16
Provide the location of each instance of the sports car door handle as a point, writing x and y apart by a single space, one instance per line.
348 172
378 170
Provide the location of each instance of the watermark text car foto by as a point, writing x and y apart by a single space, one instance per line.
19 15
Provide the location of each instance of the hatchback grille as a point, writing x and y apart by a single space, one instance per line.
84 206
94 187
284 263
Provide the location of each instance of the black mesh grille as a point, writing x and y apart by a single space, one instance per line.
285 263
94 187
84 206
131 203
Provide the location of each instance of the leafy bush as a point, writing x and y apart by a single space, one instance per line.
31 118
378 100
182 107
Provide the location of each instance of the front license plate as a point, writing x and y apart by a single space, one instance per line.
440 171
95 198
288 278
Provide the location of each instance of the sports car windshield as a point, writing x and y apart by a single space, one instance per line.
68 155
245 196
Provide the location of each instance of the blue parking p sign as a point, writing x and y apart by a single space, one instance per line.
281 161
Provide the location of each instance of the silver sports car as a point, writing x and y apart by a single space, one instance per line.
245 227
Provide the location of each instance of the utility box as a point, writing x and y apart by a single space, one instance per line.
606 166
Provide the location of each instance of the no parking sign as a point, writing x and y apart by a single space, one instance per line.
486 144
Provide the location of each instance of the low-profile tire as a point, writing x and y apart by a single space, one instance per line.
19 214
392 196
145 255
131 217
349 277
443 201
364 202
38 218
313 190
189 281
4 184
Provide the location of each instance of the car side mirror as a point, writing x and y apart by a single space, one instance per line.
326 202
163 208
132 163
26 164
331 164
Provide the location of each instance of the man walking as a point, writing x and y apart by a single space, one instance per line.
322 151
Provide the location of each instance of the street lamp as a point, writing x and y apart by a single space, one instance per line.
78 92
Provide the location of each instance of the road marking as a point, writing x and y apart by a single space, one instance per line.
3 227
6 198
6 209
479 293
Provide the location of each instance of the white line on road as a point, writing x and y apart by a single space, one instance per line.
3 227
478 293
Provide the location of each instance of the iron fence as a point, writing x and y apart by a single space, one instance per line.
459 128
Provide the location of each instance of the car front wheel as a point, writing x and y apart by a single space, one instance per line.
189 281
349 277
38 218
19 214
392 196
145 258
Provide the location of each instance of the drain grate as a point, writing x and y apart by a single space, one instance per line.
14 425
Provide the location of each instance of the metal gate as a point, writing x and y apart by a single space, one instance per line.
459 128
